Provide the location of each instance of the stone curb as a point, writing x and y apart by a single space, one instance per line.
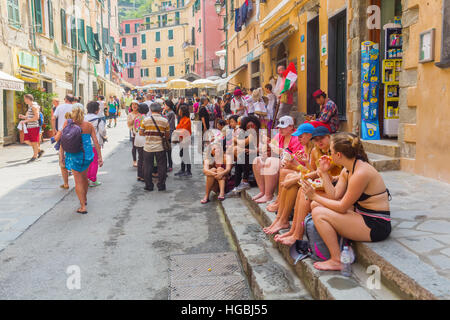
269 276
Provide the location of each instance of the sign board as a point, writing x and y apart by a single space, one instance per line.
426 46
324 45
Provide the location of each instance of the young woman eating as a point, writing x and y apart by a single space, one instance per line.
359 210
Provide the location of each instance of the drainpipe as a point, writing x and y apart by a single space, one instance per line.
75 60
204 38
226 38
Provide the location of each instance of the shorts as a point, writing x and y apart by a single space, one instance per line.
32 135
112 116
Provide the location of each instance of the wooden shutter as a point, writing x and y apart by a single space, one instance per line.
38 16
63 27
51 29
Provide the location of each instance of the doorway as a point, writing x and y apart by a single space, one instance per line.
313 64
337 64
281 56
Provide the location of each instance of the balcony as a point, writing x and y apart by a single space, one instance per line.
188 46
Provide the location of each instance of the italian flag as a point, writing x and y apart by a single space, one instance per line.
291 76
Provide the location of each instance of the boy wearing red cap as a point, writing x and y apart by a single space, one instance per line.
328 110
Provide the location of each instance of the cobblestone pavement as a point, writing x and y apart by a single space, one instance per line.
421 218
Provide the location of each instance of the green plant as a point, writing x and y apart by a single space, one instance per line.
43 99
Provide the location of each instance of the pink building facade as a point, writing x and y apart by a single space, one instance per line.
208 39
131 43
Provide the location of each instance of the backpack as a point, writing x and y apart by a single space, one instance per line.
71 138
317 248
41 119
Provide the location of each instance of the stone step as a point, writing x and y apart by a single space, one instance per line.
269 276
384 163
389 148
325 284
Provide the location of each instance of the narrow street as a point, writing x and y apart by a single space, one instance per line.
122 246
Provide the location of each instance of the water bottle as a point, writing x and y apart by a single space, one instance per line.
346 262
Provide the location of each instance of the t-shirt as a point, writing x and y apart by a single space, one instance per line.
237 103
203 113
250 104
154 143
60 114
101 107
294 143
112 107
128 100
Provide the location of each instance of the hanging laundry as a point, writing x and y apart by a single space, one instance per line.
243 14
237 21
249 4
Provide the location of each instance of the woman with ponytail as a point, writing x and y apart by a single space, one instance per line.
359 210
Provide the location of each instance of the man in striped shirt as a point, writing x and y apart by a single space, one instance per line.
155 142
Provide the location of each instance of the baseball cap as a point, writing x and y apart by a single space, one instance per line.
304 128
299 250
317 93
320 132
285 122
134 101
237 92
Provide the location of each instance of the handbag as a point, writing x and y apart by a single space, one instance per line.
163 136
139 141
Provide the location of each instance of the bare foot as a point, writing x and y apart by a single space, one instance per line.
278 237
259 195
273 207
266 229
264 199
329 265
279 226
289 241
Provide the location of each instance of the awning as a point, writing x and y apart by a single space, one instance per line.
8 82
63 84
32 76
279 37
222 84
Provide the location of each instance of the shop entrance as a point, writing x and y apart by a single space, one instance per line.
313 64
337 65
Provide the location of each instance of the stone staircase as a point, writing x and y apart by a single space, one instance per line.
384 155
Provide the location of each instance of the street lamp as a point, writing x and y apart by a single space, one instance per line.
218 6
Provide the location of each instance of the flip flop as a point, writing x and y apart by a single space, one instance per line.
64 187
221 198
204 201
81 212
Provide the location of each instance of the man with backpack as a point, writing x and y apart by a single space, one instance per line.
58 120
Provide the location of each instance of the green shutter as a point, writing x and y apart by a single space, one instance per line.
90 42
73 32
13 13
81 37
127 28
171 71
144 54
170 34
158 36
105 41
170 51
38 16
124 42
143 38
51 30
158 53
63 27
158 72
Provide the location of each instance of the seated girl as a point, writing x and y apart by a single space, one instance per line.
267 169
217 166
359 210
322 139
288 188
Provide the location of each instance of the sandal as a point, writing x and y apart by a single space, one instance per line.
204 201
82 212
64 187
221 198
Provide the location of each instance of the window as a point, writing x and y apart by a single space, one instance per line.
177 17
158 72
73 33
144 54
171 71
134 41
199 25
159 21
124 42
193 35
81 36
158 36
197 54
13 13
127 28
136 27
170 34
144 72
126 58
38 16
133 57
51 28
158 53
63 27
164 20
147 23
143 38
130 73
171 51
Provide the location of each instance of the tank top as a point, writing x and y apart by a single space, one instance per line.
30 115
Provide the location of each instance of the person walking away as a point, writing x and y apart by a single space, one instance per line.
76 148
169 114
181 101
92 117
31 121
156 129
130 122
112 111
184 132
238 105
329 113
139 141
101 113
58 120
271 105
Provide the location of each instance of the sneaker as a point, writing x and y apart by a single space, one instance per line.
243 186
41 152
32 160
186 174
179 173
94 184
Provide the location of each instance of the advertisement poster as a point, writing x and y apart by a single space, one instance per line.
370 82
